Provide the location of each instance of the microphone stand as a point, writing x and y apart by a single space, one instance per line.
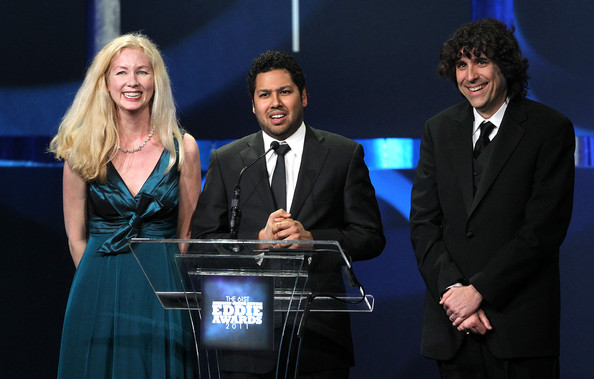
235 211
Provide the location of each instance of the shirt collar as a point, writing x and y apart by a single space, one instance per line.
296 140
495 119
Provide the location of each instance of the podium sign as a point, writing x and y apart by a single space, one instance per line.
237 312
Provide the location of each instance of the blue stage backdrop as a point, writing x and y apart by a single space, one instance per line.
371 76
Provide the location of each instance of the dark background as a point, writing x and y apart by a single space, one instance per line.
370 69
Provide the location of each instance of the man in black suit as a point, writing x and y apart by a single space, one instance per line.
329 196
490 208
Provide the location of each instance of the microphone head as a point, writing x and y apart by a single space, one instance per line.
274 145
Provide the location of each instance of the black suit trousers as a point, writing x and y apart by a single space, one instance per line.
475 360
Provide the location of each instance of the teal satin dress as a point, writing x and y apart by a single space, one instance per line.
114 325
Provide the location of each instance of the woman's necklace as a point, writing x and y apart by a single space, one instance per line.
141 145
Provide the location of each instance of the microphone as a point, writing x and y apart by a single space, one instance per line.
235 211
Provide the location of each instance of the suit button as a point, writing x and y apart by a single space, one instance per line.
469 235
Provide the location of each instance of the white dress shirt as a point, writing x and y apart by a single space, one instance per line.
292 160
495 120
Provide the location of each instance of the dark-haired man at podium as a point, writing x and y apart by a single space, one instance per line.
324 194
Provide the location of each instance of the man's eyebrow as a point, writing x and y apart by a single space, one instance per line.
277 89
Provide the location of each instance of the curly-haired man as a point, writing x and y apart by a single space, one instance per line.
491 204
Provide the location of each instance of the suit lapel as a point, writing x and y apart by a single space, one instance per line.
255 179
461 153
312 161
508 137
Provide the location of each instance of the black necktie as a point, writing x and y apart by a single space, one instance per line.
279 178
486 129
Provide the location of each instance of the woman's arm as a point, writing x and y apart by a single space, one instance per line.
74 193
189 186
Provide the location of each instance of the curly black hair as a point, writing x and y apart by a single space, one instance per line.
497 42
275 60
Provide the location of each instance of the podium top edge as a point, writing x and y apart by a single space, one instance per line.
234 241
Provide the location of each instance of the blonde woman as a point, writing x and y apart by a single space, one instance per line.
130 171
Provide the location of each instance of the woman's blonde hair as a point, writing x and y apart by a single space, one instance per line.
88 136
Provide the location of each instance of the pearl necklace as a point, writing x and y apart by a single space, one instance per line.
141 145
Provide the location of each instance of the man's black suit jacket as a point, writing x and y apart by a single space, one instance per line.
334 200
505 239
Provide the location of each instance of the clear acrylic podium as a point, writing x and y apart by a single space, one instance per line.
299 276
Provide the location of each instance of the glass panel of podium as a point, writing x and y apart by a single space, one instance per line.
236 291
